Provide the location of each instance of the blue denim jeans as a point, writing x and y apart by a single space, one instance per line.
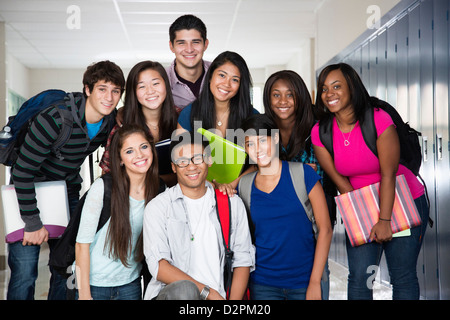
263 292
130 291
401 257
23 263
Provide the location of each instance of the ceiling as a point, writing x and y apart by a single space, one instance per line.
75 33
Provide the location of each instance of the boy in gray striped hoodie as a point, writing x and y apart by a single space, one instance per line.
93 114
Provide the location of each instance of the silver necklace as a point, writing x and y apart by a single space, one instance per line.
346 140
193 232
219 122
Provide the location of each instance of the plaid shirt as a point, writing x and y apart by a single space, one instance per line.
105 162
305 157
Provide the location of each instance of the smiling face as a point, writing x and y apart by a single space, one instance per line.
188 47
150 89
192 177
136 154
261 149
225 82
336 93
102 100
282 101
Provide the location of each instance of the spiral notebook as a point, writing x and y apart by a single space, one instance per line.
53 205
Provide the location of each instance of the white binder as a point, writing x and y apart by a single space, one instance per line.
53 205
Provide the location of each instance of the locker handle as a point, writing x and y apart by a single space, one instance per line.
425 148
439 146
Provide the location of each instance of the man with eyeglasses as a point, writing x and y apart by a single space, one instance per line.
183 243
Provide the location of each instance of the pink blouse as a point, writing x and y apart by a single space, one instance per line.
357 162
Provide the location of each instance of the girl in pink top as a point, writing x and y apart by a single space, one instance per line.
343 99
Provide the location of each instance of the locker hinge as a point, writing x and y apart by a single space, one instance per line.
407 41
419 33
432 24
395 48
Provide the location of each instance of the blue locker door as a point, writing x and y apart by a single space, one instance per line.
441 96
427 128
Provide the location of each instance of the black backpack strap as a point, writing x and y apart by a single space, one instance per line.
326 135
106 211
369 130
66 130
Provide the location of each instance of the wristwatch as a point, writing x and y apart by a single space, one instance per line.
205 292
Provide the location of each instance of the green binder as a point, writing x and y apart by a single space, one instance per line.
228 158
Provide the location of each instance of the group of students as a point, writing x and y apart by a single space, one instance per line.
174 235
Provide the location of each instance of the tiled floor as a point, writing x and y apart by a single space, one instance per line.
338 281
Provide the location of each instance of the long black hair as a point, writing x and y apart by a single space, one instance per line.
119 235
304 116
203 108
359 96
133 109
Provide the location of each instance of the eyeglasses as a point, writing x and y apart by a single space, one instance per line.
184 162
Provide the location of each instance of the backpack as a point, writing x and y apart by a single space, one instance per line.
297 175
62 255
13 134
223 210
410 151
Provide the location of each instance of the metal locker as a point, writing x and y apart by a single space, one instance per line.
381 66
365 65
427 128
380 93
413 57
349 58
391 65
441 99
401 49
357 61
339 240
373 51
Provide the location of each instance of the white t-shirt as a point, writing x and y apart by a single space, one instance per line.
205 262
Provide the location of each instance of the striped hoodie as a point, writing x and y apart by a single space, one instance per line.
36 162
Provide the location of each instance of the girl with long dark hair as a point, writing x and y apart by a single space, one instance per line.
288 103
343 100
224 103
109 261
149 103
